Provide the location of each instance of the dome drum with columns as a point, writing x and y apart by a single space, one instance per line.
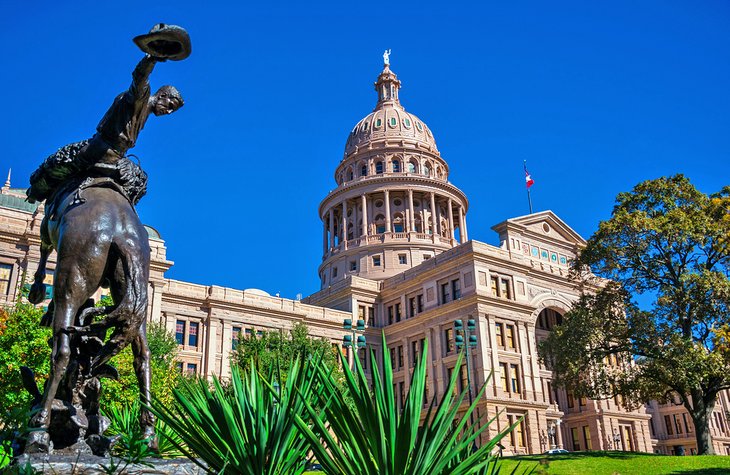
393 207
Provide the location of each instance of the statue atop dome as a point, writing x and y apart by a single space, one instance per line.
386 57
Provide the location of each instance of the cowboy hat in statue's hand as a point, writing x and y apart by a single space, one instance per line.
166 42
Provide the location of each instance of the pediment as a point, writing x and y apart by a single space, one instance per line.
537 233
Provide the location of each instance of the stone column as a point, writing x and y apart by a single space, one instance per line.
462 233
332 228
493 348
434 220
211 345
387 212
451 219
411 213
227 340
463 223
344 224
364 201
156 307
324 236
354 220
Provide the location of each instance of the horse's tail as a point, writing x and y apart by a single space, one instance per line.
132 307
128 314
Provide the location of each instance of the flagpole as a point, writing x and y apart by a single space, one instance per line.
529 198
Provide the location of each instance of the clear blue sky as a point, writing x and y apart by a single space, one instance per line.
596 96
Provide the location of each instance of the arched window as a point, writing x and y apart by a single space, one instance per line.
411 167
379 168
548 318
426 170
398 223
419 224
379 224
350 174
364 170
396 166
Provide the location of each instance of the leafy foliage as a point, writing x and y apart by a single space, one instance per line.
164 376
247 428
667 243
379 438
279 349
23 342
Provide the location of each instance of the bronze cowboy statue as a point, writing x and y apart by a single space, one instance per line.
90 189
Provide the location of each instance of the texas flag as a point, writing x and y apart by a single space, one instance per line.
528 179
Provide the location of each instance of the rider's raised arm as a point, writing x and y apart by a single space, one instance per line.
140 87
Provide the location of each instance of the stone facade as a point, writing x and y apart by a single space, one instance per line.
397 256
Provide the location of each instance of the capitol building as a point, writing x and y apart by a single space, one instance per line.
397 258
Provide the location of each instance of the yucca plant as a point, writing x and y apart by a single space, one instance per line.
124 422
376 438
248 427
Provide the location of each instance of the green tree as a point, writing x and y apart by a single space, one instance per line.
23 342
164 376
280 348
665 245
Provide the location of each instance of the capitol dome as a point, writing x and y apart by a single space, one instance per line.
389 121
394 207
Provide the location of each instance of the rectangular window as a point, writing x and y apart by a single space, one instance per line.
576 440
499 331
445 293
376 260
371 316
503 377
402 392
582 401
179 366
402 259
571 400
493 282
412 307
668 425
392 358
686 423
192 368
353 265
6 271
415 353
677 424
235 337
397 312
504 288
514 371
400 356
180 332
456 289
510 336
390 315
587 437
193 334
419 303
517 436
448 340
463 379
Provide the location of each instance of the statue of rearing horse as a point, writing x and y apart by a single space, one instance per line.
90 189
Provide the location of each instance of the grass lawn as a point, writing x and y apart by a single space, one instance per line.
619 463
